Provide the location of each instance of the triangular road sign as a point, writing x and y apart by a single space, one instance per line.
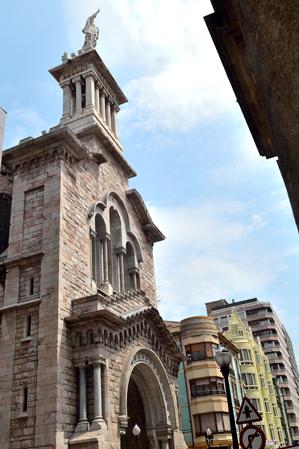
248 413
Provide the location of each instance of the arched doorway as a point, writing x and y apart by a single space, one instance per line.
136 414
147 401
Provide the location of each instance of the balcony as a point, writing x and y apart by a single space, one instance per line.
198 357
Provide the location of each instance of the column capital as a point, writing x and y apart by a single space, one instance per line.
89 74
105 236
120 250
92 233
97 361
133 270
77 79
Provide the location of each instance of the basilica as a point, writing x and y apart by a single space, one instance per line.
84 353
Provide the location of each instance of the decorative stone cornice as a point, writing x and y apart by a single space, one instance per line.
61 143
80 63
33 259
148 226
20 305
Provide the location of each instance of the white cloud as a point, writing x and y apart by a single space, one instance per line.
176 79
210 253
27 122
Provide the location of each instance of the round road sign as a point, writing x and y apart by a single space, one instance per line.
252 437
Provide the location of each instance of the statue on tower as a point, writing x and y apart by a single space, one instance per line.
91 32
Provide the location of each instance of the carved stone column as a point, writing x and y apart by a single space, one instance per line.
78 83
133 272
83 424
98 421
90 91
120 267
114 111
102 105
67 99
106 287
93 255
97 97
108 113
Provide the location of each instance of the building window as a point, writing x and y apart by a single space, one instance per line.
249 380
256 403
25 400
217 422
246 357
262 380
207 386
201 351
267 405
27 326
272 434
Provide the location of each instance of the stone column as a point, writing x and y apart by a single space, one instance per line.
97 97
98 421
106 287
121 269
102 105
67 100
133 274
90 91
113 120
83 424
108 113
78 84
93 255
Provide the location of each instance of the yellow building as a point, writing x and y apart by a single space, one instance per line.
257 378
202 396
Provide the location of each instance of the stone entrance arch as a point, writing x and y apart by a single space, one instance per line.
145 373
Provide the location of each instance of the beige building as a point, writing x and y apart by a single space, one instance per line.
257 379
84 354
202 391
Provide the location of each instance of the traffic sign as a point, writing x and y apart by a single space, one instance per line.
252 437
248 413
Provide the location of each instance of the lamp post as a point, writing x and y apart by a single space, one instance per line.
224 358
136 432
209 437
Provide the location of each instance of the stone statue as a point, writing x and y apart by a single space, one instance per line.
91 32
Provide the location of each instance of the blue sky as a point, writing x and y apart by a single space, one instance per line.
224 209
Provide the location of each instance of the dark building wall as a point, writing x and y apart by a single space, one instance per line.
257 41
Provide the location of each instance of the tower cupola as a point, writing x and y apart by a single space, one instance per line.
91 96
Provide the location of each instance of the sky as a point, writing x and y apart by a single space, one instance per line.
229 227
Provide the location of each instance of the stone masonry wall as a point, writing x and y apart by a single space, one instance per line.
35 219
22 426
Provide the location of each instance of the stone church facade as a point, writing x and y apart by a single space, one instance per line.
84 353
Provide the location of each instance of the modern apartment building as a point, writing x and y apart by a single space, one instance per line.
202 397
257 379
275 342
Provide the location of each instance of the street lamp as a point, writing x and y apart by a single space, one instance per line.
224 358
136 432
209 437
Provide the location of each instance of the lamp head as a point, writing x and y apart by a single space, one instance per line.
209 432
136 430
223 358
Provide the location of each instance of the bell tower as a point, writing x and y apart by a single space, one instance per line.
91 96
